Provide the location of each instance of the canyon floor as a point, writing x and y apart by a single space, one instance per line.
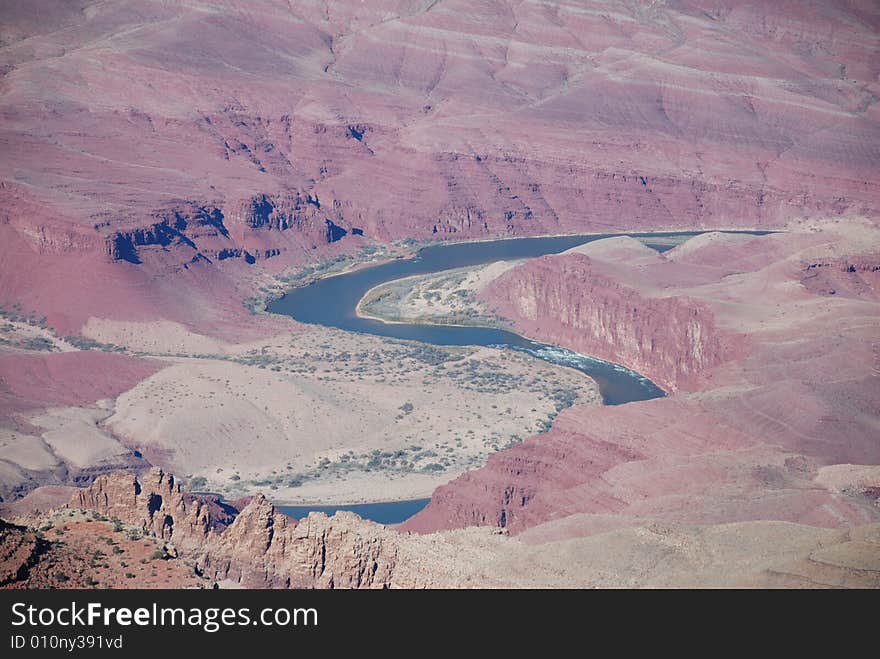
314 415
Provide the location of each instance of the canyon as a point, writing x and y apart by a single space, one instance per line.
190 167
757 421
166 169
739 479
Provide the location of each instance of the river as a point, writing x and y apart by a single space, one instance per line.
332 301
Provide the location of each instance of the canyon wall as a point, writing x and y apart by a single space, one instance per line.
259 547
150 159
265 548
567 301
747 444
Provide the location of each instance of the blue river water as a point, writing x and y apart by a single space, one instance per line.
384 512
332 302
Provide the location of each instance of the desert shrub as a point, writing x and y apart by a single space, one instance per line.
38 343
198 484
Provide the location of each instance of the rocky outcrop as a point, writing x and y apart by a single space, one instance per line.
275 213
157 505
20 550
855 277
123 245
264 548
202 231
257 547
293 210
565 300
189 225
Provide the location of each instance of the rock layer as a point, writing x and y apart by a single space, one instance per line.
150 158
257 547
264 548
565 300
157 505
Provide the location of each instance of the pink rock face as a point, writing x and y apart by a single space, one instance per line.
156 504
263 547
568 302
801 392
256 547
173 152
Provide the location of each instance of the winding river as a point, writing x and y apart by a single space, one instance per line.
332 302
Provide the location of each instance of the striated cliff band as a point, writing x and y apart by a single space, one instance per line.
164 152
567 301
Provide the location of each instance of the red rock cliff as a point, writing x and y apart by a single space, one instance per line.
157 505
265 548
258 547
565 301
494 121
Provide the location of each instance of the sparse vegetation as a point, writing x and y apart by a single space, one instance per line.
198 484
397 360
38 343
435 298
14 314
85 343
